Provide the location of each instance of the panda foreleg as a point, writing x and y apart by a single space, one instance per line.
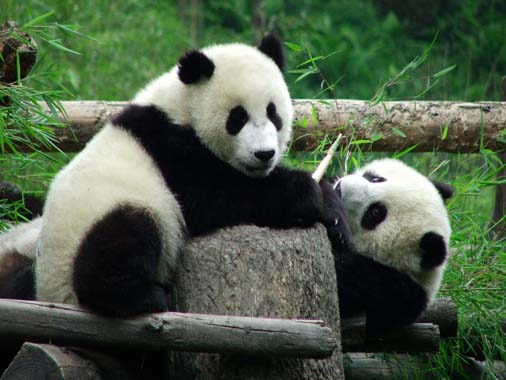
116 264
388 297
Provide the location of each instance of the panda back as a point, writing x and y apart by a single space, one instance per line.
113 170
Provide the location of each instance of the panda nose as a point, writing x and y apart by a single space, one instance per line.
264 155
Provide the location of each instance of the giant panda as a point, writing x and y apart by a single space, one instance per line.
392 264
197 149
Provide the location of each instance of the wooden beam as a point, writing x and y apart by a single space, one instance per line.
443 313
418 337
466 127
71 325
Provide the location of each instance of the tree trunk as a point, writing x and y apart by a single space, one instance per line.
391 125
259 272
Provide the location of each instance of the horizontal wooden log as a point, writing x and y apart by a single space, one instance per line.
45 361
443 313
393 126
377 366
71 325
418 337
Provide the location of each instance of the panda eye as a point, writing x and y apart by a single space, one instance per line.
237 118
375 214
273 116
373 178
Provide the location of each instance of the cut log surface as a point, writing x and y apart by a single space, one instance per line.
261 272
467 127
48 362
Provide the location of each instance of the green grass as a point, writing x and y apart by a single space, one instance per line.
365 48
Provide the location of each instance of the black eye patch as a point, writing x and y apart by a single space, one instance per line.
273 116
371 177
374 215
237 118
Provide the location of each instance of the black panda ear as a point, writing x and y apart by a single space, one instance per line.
433 250
194 66
445 190
272 47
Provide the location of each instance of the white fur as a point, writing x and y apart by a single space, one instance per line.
242 76
113 169
414 208
22 239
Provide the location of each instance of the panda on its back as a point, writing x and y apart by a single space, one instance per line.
400 234
199 148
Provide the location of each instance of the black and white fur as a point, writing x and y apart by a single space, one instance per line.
399 239
199 148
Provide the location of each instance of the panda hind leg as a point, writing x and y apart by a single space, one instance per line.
115 268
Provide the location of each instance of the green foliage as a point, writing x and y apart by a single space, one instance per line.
373 50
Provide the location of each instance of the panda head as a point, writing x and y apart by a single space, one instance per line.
398 217
235 99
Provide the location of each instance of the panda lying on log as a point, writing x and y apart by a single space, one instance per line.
198 149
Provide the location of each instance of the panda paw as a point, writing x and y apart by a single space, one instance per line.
334 217
305 206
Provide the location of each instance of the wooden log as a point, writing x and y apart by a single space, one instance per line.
45 361
418 337
255 271
378 366
394 125
498 216
12 49
71 325
442 312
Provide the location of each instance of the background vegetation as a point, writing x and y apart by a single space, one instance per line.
366 43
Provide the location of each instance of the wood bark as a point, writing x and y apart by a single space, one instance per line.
68 324
442 312
378 366
398 125
261 272
498 216
418 337
48 362
13 49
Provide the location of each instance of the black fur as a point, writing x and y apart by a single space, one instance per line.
273 116
444 189
114 270
16 277
272 46
434 250
237 118
194 66
375 214
212 193
388 297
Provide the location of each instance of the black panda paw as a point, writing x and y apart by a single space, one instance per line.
305 201
335 217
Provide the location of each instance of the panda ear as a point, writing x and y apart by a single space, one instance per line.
272 47
433 250
194 66
445 190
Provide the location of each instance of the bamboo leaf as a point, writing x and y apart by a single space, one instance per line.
38 20
61 47
443 72
293 46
